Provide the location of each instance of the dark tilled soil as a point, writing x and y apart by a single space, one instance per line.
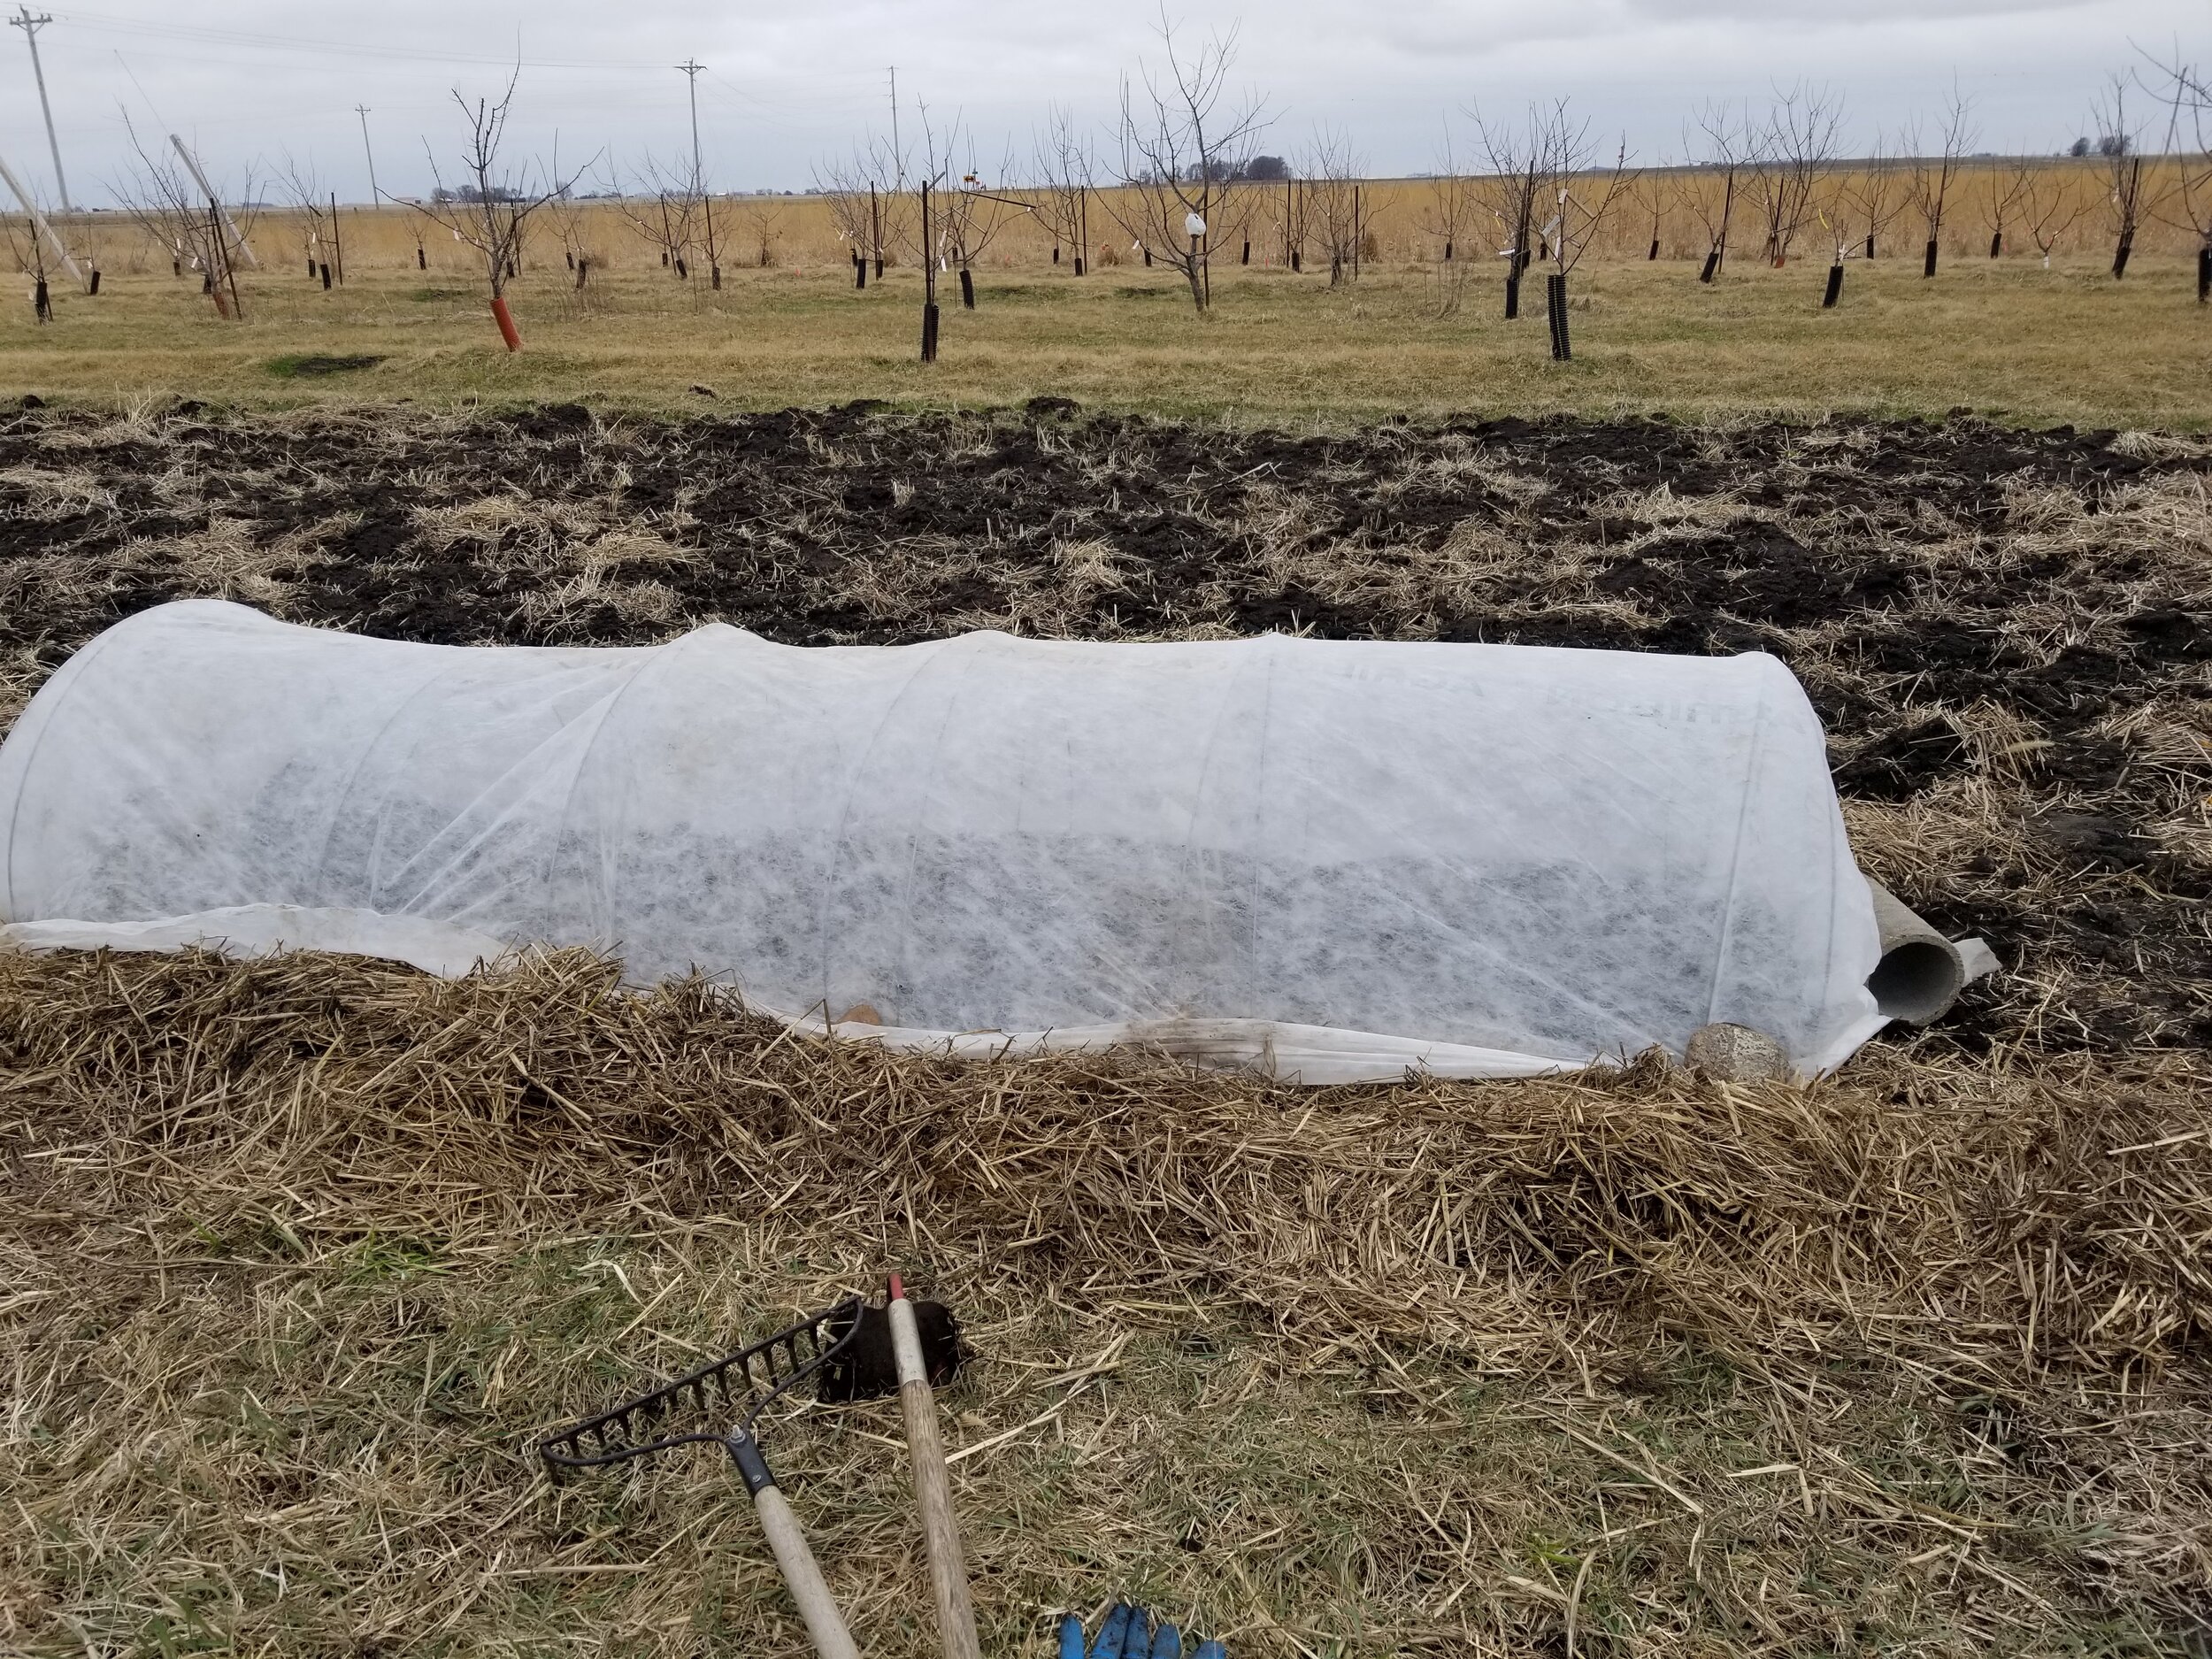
2007 633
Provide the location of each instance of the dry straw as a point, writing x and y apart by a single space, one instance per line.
302 1251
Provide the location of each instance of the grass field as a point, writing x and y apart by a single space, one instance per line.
297 1257
2005 338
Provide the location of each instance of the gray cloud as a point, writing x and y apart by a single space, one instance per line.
789 87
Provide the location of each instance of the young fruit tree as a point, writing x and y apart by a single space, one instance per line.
2120 148
847 199
319 236
1933 176
870 202
974 215
1650 194
1296 209
1181 147
662 213
1330 173
935 233
2051 202
1581 199
1792 155
570 228
1450 219
491 211
41 243
1877 193
2001 183
171 200
1712 191
2189 203
764 222
1852 207
1066 168
1521 163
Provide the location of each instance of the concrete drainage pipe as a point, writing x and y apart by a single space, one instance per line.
1921 973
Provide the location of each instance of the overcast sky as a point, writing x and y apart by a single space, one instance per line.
790 86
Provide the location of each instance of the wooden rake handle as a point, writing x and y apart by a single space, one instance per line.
824 1623
933 1485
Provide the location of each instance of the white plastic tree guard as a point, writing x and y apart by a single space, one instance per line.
1333 860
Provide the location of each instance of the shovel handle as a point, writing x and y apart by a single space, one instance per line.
825 1623
932 1485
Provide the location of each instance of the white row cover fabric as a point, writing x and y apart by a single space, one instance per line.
1335 860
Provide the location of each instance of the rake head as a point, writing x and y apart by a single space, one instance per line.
732 1393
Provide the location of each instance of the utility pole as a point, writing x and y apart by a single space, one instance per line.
898 156
375 196
215 203
38 220
691 67
30 26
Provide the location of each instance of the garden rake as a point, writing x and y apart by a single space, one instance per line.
741 1387
849 1352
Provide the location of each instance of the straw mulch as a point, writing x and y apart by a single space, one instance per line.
301 1255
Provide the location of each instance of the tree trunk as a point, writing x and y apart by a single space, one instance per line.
1835 287
1928 264
1556 314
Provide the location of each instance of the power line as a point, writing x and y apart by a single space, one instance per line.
350 49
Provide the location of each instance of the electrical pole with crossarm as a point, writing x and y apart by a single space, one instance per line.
375 196
691 67
30 26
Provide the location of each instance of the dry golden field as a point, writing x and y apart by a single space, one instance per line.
1414 334
1408 219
